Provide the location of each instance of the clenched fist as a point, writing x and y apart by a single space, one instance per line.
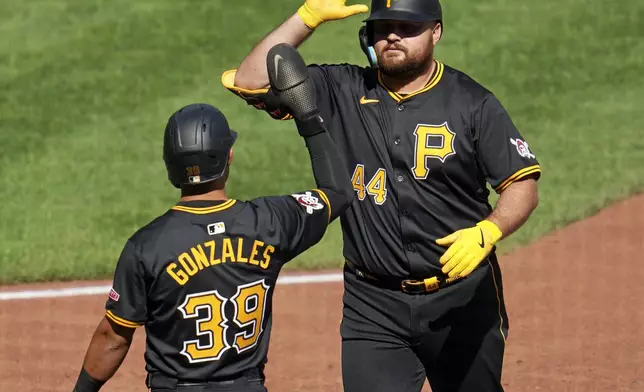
315 12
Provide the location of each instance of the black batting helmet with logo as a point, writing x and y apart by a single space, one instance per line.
196 145
406 10
402 10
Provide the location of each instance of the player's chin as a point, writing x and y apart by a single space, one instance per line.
393 63
393 68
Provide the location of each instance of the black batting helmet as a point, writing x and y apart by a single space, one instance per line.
403 10
406 10
196 145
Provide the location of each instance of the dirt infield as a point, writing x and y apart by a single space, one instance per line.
575 301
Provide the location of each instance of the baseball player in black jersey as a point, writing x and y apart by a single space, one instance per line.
201 277
423 292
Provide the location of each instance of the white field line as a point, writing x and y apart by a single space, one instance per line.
103 290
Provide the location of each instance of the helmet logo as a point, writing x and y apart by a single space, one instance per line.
193 170
389 3
193 173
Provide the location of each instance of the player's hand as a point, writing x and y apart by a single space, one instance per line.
468 248
315 12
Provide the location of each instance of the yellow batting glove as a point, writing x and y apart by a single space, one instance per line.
315 12
469 247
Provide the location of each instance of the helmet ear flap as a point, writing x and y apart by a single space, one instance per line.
365 34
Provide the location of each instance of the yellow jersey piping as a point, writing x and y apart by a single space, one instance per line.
205 210
120 321
433 81
517 176
326 200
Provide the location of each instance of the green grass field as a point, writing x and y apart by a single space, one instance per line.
86 87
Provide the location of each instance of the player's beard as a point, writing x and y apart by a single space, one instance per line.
406 66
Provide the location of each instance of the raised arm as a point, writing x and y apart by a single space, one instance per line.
252 74
293 86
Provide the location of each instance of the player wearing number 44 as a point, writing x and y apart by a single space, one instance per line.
200 278
423 289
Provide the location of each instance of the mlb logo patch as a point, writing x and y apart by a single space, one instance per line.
216 228
114 296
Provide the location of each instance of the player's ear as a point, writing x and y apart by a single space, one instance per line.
230 156
437 32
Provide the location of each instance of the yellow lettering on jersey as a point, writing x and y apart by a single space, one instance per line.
211 329
203 257
227 252
200 257
357 179
188 264
432 141
267 256
211 245
240 248
254 252
177 274
377 187
211 339
249 303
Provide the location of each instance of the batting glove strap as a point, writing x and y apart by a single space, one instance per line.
309 17
491 231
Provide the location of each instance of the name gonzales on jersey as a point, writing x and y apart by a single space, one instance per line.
212 253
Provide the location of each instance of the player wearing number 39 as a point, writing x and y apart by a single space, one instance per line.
423 293
201 277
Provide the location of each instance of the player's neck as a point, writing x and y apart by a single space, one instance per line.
214 195
409 84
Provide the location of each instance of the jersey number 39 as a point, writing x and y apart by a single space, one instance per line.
248 302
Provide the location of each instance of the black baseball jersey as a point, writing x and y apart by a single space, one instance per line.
419 162
201 279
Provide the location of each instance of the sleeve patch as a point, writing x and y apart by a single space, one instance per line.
114 296
308 201
522 148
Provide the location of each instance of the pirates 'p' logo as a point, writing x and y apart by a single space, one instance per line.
432 141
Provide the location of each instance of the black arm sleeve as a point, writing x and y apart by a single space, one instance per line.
302 218
329 171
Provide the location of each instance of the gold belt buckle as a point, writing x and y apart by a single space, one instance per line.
411 286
